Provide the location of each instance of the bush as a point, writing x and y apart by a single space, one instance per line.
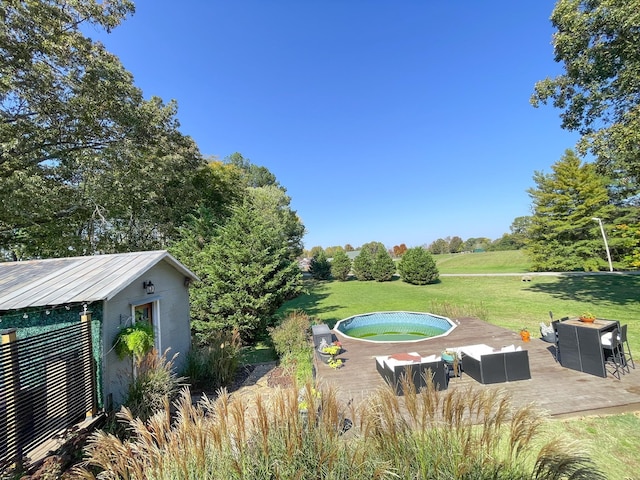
214 365
418 267
292 335
363 265
340 265
320 268
383 266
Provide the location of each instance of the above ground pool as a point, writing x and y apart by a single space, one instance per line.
394 326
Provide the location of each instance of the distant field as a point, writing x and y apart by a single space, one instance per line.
510 261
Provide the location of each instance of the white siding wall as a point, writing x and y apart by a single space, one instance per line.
171 309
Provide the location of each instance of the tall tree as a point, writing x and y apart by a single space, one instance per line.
340 265
455 244
86 163
320 267
418 267
383 267
363 265
373 247
398 250
275 205
254 175
246 270
563 235
439 246
597 43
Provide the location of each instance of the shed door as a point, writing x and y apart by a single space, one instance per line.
146 313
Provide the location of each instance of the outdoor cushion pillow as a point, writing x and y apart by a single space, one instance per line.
405 357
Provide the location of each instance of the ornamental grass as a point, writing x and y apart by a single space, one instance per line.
449 434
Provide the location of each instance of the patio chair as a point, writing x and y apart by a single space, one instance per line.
624 349
553 338
554 325
615 361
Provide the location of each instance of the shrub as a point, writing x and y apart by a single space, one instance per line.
383 267
340 265
418 267
320 267
292 335
363 265
214 364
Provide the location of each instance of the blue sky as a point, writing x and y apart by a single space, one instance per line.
393 121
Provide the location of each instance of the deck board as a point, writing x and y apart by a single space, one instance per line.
560 391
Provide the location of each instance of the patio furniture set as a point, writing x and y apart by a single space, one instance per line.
597 347
481 362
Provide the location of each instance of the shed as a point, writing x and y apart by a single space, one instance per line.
38 296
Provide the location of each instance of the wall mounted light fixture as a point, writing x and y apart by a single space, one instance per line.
149 287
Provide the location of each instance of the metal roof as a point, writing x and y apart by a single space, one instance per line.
58 281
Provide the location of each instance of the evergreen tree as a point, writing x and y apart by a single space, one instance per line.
418 267
246 272
319 267
340 265
383 267
562 234
363 265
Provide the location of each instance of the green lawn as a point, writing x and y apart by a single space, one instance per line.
505 301
511 261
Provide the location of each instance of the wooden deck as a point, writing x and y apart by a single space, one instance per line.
559 391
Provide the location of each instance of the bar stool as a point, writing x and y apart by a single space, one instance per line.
611 341
626 350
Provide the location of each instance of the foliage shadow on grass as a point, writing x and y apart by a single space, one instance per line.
309 301
615 289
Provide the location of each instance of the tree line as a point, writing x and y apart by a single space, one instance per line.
374 262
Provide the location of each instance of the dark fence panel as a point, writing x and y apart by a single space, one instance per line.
47 384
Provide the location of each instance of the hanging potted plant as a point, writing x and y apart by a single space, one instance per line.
134 341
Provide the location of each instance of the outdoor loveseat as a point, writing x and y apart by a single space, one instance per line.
393 368
488 365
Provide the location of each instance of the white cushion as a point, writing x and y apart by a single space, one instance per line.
605 338
509 348
476 351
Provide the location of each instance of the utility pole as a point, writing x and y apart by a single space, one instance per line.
606 245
